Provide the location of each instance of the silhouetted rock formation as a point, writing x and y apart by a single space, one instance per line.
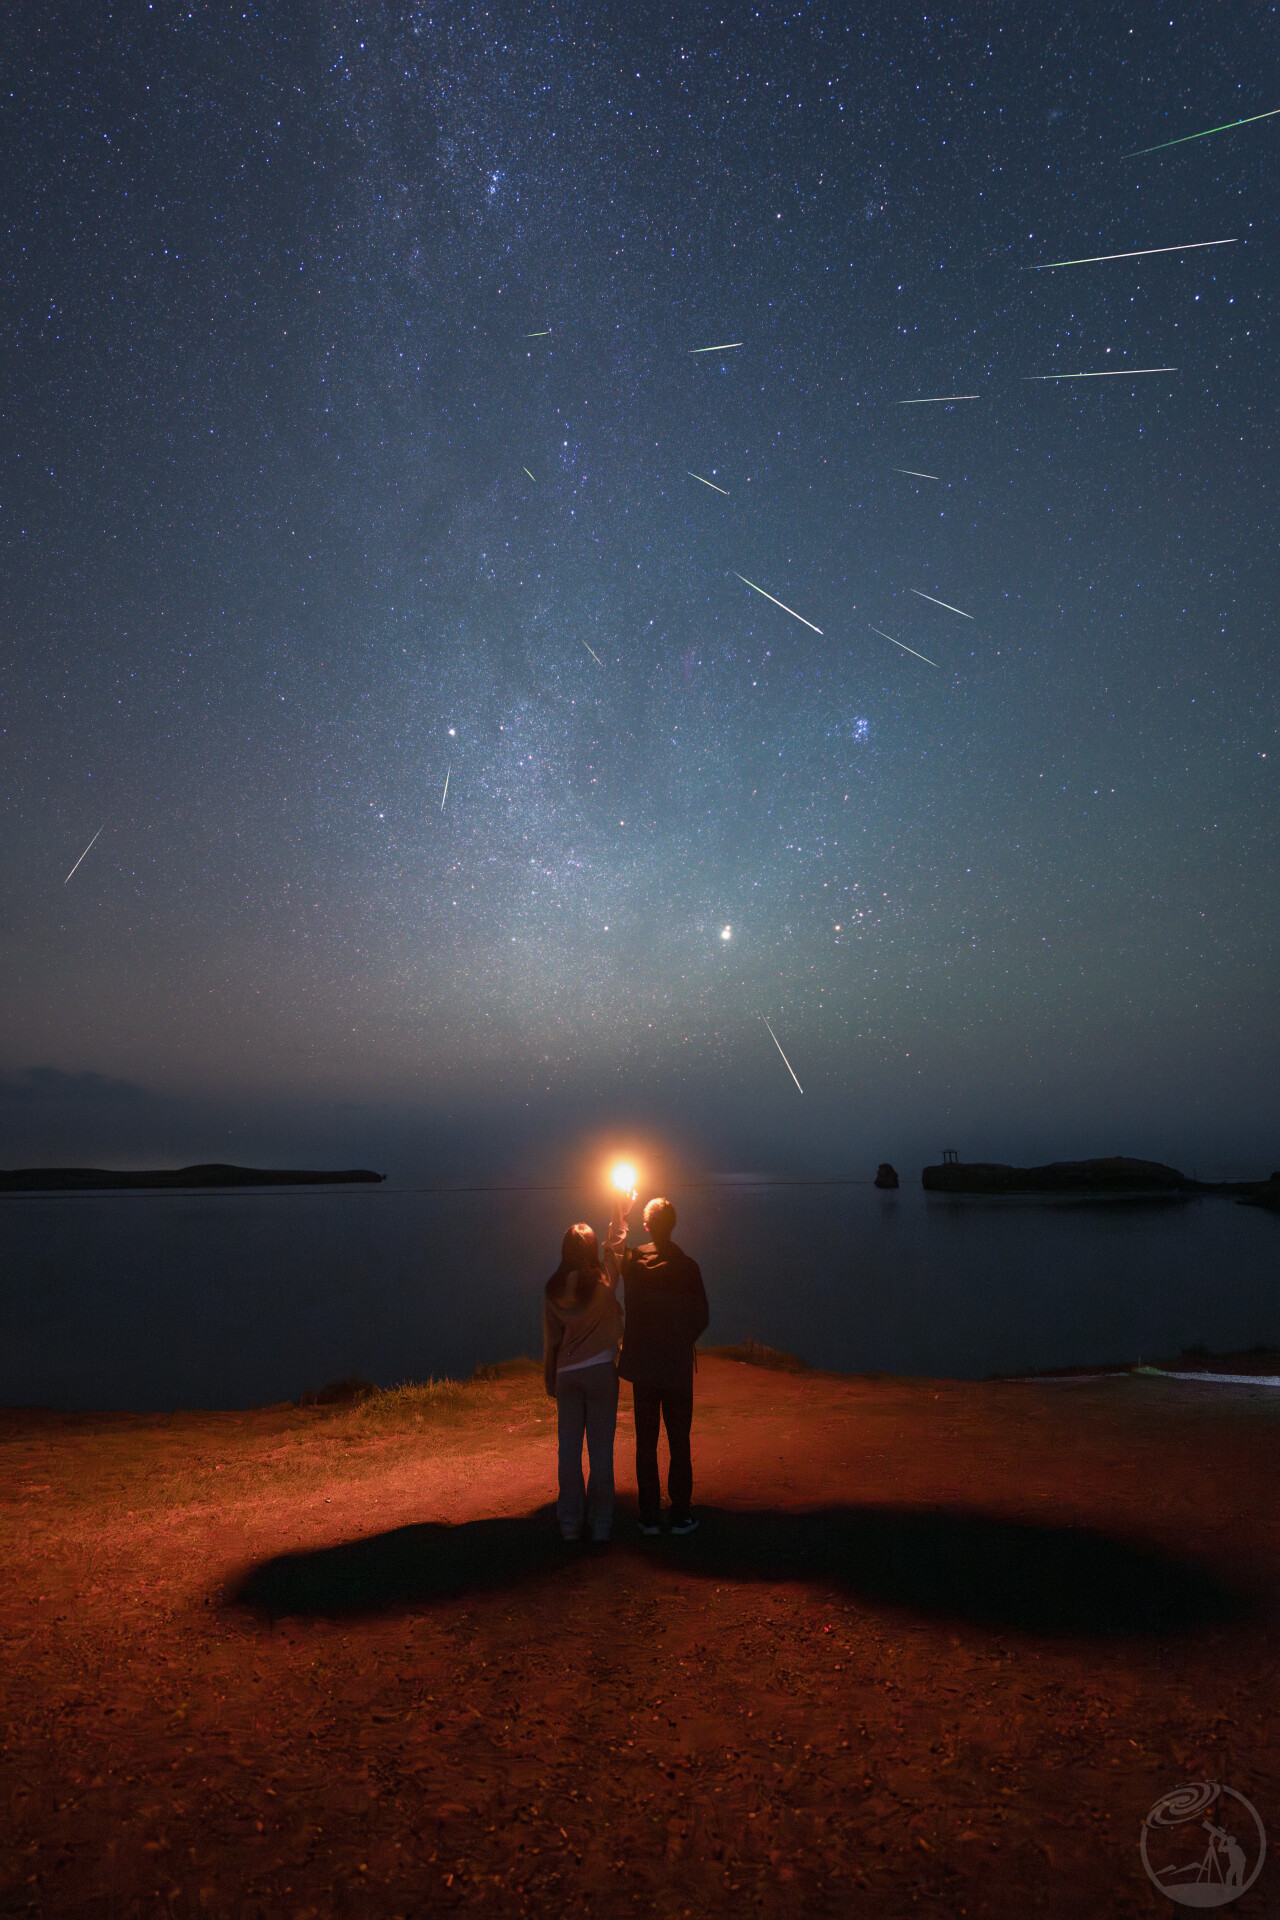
87 1179
1117 1175
1265 1194
885 1175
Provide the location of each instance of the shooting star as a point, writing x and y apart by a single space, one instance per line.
594 655
935 399
445 795
778 603
1108 373
87 850
526 470
544 335
1183 138
940 603
1092 259
906 649
707 483
786 1063
726 346
913 473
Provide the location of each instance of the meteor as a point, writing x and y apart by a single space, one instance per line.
906 649
935 399
706 483
940 603
912 471
526 470
87 849
777 1043
777 603
594 655
726 346
1091 259
1182 140
1108 373
544 335
445 795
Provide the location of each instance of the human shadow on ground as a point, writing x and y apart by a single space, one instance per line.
954 1565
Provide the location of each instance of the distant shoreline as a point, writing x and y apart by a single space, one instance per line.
215 1176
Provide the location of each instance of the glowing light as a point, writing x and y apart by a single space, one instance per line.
623 1177
726 933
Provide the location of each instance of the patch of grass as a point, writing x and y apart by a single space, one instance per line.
413 1403
508 1369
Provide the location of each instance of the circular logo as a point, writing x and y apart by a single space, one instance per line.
1203 1844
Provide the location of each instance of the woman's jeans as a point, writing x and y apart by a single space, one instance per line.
587 1402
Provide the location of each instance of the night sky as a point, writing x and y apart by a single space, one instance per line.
350 410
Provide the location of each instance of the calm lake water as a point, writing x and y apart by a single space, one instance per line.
238 1299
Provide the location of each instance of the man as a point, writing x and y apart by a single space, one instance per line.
666 1311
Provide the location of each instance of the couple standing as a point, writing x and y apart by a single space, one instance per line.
583 1322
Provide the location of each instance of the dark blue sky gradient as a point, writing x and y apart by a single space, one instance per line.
273 567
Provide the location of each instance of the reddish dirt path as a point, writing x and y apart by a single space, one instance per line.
886 1712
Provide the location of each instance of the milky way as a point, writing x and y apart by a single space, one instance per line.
357 385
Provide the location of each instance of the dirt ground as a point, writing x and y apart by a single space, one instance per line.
936 1647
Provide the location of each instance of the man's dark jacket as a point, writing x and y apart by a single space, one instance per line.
666 1309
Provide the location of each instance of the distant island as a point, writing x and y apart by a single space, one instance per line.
215 1174
1116 1176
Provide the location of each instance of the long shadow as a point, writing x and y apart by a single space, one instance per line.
958 1566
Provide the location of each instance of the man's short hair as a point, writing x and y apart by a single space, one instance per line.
660 1214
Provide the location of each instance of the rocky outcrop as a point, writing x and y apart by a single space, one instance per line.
1116 1175
886 1176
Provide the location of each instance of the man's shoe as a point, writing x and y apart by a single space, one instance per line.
649 1528
687 1525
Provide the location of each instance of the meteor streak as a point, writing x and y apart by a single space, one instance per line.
87 849
1091 259
545 334
726 346
777 1043
777 603
1108 373
594 655
526 470
906 649
935 399
1182 140
940 603
445 795
912 472
707 483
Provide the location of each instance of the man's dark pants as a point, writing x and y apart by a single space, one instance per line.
674 1406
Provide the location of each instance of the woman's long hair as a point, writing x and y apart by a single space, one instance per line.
579 1269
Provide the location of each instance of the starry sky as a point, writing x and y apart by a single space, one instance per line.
351 408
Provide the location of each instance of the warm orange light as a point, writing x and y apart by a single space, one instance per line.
623 1177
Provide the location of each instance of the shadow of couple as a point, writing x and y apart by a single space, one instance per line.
953 1565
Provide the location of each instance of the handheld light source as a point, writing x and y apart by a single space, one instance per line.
622 1177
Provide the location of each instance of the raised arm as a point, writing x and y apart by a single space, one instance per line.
616 1238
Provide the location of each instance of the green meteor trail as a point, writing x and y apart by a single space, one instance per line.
544 335
777 603
900 643
1182 140
935 399
921 595
706 483
1107 373
1091 259
594 655
913 473
526 470
726 346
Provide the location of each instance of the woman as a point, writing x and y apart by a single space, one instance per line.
581 1328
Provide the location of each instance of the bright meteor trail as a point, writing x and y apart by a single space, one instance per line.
1091 259
445 795
777 1043
87 849
913 473
935 399
706 483
940 603
1108 373
1183 138
726 346
594 655
906 649
777 603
